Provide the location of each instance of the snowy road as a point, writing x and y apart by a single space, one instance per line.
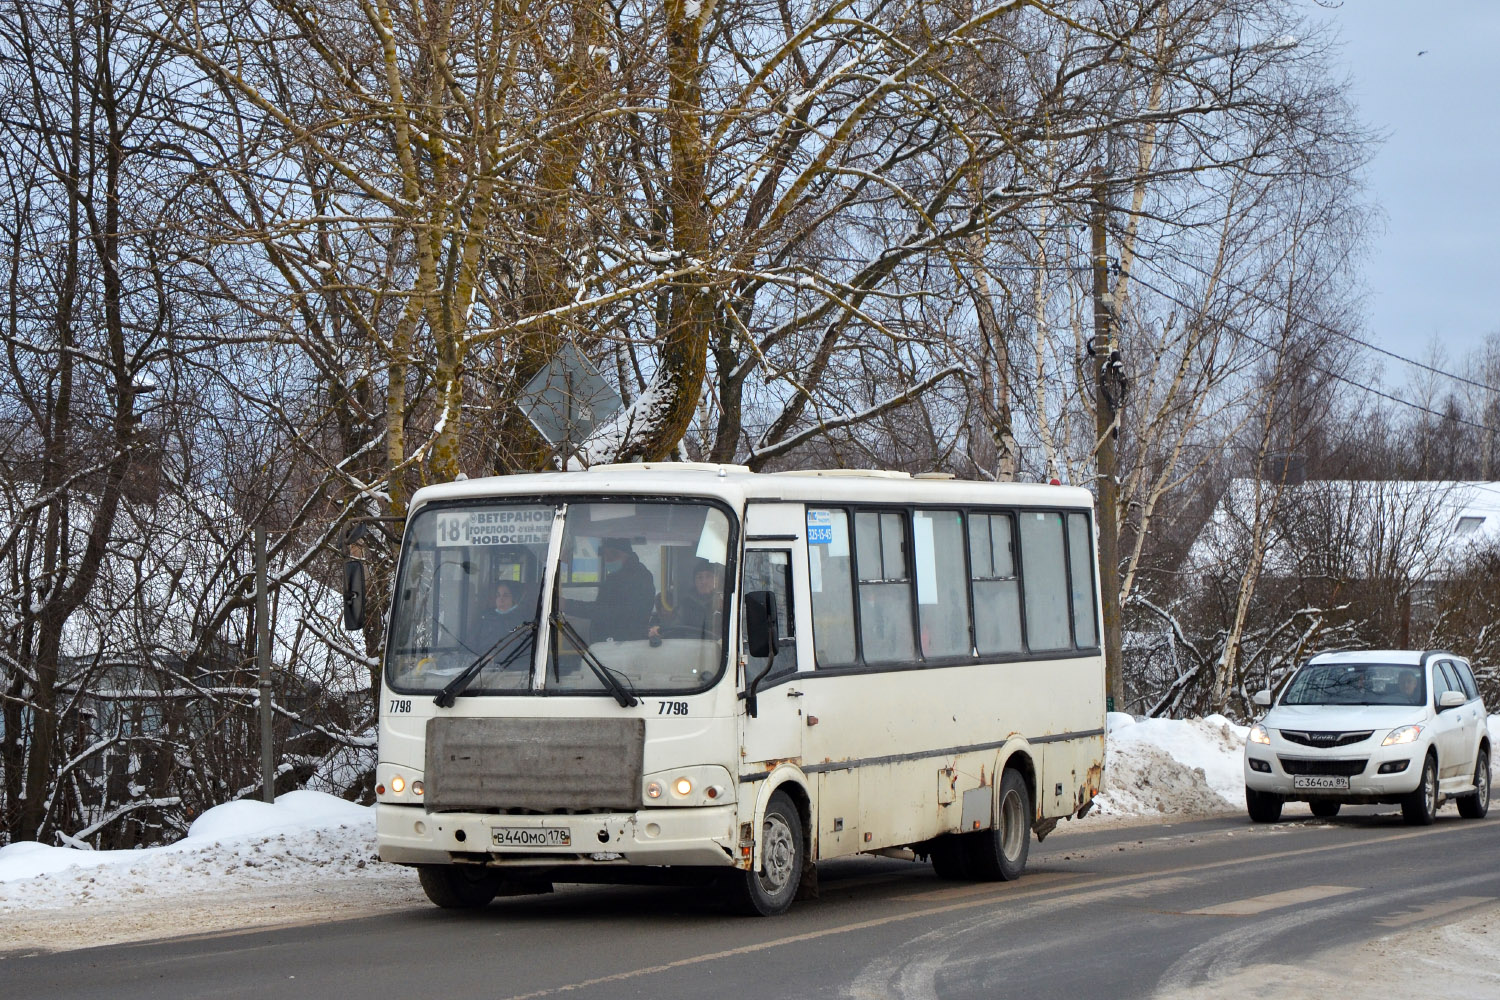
1123 912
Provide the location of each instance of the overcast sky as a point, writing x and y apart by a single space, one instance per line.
1433 267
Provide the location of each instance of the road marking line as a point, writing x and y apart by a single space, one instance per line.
1272 901
1432 910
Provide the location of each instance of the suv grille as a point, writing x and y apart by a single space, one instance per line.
1322 739
1348 768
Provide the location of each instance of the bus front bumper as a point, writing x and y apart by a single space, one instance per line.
700 836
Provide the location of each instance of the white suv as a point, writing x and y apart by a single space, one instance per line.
1401 726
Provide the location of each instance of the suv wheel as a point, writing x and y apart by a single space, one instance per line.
1477 803
1420 807
1264 807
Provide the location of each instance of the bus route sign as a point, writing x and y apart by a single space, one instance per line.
506 526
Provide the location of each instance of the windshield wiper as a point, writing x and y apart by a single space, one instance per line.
445 697
627 699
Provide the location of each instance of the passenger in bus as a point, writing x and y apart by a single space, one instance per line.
495 622
696 614
622 611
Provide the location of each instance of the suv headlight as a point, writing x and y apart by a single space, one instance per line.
1406 734
1258 734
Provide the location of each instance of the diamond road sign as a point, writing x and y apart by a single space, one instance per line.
568 398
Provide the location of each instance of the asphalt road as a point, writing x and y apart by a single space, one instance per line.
1115 913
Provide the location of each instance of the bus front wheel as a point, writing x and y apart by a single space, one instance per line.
459 887
999 854
783 853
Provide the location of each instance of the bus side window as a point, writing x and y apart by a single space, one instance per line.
942 605
1046 577
1081 573
997 594
830 574
885 611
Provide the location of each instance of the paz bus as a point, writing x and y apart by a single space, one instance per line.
689 671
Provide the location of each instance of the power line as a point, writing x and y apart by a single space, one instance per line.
1331 374
1320 325
1473 484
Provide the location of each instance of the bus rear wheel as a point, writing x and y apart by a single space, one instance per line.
999 854
950 857
783 854
459 887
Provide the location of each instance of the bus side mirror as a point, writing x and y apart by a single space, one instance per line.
354 595
760 623
760 641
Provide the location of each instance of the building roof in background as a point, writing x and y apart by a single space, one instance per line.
1354 528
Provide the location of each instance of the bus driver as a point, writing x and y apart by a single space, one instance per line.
626 594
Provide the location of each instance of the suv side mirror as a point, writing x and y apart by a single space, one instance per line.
354 595
760 623
1452 699
1262 698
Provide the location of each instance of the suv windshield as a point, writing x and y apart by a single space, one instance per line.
1357 684
639 591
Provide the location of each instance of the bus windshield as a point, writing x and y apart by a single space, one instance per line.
639 591
640 587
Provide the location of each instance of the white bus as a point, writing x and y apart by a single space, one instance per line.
696 671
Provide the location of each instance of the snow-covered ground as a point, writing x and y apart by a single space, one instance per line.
310 857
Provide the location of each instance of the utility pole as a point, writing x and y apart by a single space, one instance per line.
263 659
1109 384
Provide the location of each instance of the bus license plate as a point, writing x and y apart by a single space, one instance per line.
530 836
1326 782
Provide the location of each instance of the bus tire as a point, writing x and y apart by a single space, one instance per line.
999 854
950 857
783 854
459 887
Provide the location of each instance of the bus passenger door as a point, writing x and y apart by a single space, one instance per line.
774 734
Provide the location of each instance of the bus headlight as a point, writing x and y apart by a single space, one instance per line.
399 785
688 786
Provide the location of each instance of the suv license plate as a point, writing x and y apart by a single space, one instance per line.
530 836
1325 782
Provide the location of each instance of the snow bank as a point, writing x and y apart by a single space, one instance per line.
304 834
1172 766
